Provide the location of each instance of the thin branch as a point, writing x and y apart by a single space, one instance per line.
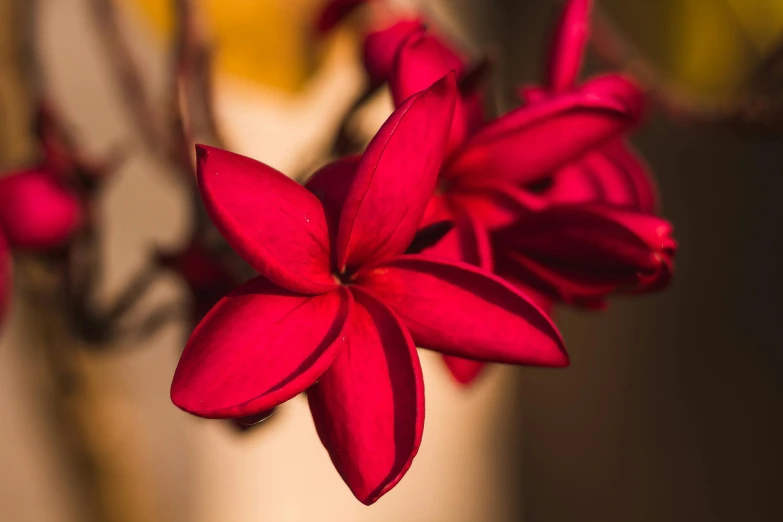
610 43
192 86
153 322
133 293
127 76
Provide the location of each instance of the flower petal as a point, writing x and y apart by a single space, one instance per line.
36 211
567 48
421 61
612 175
259 346
496 204
464 371
369 407
274 224
381 48
638 174
396 178
331 185
584 252
536 140
458 309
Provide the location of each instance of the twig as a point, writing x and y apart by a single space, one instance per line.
192 87
610 43
127 76
133 292
152 323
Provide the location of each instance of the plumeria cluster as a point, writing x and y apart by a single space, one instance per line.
449 233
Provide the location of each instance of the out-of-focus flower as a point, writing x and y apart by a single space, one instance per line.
582 253
36 213
597 233
340 307
490 164
563 147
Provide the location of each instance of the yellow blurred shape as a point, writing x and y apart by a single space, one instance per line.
266 42
762 20
719 42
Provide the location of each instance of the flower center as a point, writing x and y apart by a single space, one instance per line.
346 276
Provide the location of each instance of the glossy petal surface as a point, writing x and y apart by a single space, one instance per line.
259 346
460 310
271 221
369 407
396 178
331 184
536 140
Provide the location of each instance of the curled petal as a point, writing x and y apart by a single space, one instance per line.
36 211
369 407
334 12
422 60
585 252
396 178
464 371
638 174
457 309
612 175
381 48
277 226
259 346
537 139
567 49
497 204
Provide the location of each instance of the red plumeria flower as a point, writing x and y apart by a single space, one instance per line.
491 167
598 234
340 306
612 173
36 213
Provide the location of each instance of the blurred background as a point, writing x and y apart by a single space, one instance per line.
670 409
